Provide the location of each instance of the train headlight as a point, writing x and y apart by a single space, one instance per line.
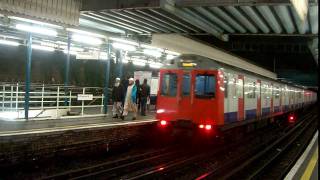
163 122
208 127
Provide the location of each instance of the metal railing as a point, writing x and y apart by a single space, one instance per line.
55 101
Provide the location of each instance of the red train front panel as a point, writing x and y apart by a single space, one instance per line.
192 95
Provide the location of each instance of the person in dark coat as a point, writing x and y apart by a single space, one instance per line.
145 95
137 83
117 97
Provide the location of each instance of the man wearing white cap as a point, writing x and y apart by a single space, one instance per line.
130 100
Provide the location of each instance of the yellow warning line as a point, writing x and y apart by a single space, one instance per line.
311 166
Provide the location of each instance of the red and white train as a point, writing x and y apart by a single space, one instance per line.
200 92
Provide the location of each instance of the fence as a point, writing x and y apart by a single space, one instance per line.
51 101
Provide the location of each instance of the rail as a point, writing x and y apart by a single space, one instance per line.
50 101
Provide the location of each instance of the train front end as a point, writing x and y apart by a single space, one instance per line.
189 95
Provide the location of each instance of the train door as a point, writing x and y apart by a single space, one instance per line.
168 95
258 93
185 110
204 97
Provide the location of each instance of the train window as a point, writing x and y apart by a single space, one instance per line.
186 85
276 92
251 93
169 84
226 82
205 86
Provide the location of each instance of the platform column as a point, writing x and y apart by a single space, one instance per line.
28 78
67 72
106 84
119 63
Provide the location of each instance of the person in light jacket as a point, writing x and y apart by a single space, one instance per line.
130 100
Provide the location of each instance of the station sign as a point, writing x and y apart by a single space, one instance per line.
85 97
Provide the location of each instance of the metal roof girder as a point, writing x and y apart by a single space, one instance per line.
173 20
163 28
313 15
215 19
301 25
285 18
256 18
229 19
173 27
115 24
135 23
270 18
205 25
238 15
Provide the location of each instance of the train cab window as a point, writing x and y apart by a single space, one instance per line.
205 86
186 85
169 84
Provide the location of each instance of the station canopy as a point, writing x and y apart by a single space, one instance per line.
129 25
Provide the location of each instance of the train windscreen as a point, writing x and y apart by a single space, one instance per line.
205 86
169 84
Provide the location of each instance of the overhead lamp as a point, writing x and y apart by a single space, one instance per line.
150 47
138 63
170 56
35 29
35 22
86 39
85 33
43 48
172 52
125 47
70 52
124 41
49 44
72 48
155 65
103 55
125 61
10 43
151 52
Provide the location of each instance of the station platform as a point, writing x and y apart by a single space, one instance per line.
306 168
13 129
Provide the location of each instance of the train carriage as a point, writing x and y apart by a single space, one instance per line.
196 91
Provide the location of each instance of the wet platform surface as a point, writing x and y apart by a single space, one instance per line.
15 128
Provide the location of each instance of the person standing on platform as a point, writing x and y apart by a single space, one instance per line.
117 97
130 100
145 95
137 84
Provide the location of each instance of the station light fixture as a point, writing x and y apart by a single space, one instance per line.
86 39
124 41
85 33
35 29
150 47
138 63
172 53
35 22
43 48
72 48
70 52
155 65
170 56
125 47
152 52
9 43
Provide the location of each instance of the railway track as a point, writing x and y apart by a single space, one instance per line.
255 164
210 162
